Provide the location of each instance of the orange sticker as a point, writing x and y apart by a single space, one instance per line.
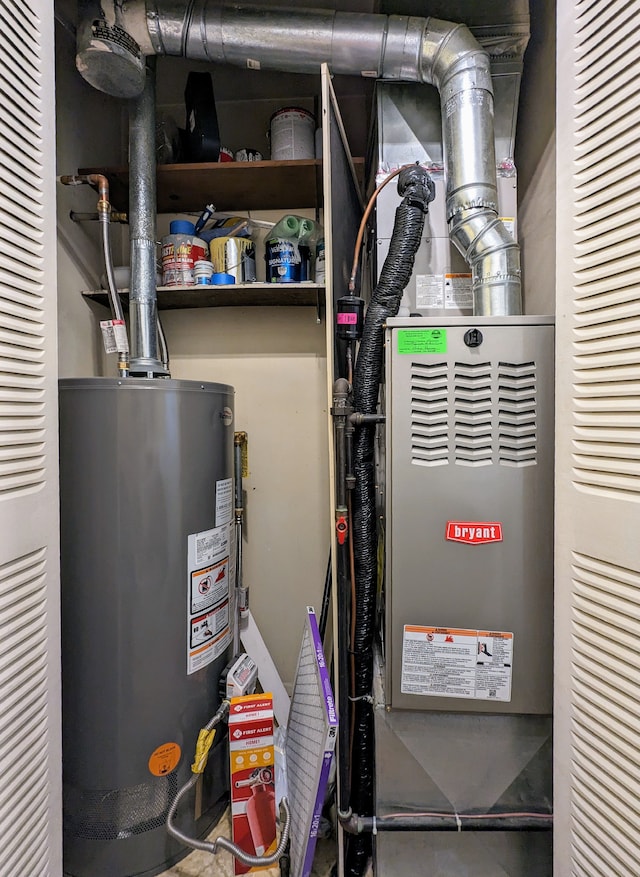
164 759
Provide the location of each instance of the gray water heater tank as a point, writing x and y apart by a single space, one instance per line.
146 471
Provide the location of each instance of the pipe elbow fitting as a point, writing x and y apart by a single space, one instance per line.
494 259
451 51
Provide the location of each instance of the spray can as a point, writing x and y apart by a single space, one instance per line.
181 249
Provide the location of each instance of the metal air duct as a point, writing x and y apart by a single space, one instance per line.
398 47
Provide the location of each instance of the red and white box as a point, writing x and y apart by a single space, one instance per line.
253 798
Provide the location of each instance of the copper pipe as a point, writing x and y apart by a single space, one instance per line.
98 181
363 223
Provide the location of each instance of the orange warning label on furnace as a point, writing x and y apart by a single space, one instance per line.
164 759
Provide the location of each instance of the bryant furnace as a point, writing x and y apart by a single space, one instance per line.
468 639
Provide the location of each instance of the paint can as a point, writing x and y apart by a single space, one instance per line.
235 256
292 134
180 251
287 261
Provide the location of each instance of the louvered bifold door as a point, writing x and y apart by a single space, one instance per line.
30 761
597 779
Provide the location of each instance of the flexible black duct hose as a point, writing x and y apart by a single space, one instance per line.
417 190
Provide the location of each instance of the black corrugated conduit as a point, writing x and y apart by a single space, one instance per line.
416 189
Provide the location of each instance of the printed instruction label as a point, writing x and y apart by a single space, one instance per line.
114 336
450 662
224 501
429 291
509 223
210 557
458 294
422 341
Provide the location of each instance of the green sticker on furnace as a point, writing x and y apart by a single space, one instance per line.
422 340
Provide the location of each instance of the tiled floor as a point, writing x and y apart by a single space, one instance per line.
199 864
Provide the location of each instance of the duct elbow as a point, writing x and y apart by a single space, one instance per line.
494 259
452 59
456 64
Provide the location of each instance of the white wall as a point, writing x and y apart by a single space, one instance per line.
89 134
275 359
535 160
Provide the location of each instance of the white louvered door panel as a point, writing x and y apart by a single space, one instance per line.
30 758
597 738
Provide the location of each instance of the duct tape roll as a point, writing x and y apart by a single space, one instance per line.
222 279
202 271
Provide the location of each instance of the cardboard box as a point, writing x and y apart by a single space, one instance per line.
253 799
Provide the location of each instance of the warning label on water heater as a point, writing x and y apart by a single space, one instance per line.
449 662
210 558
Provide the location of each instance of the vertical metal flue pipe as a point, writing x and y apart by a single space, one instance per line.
454 62
143 307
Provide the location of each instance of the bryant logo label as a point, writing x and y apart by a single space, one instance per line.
474 532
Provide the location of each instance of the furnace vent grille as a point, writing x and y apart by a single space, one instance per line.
517 416
474 414
472 398
430 414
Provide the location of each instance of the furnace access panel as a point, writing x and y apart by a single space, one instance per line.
469 477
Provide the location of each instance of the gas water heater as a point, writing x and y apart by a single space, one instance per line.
146 489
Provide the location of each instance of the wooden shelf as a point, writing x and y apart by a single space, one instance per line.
255 185
240 295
